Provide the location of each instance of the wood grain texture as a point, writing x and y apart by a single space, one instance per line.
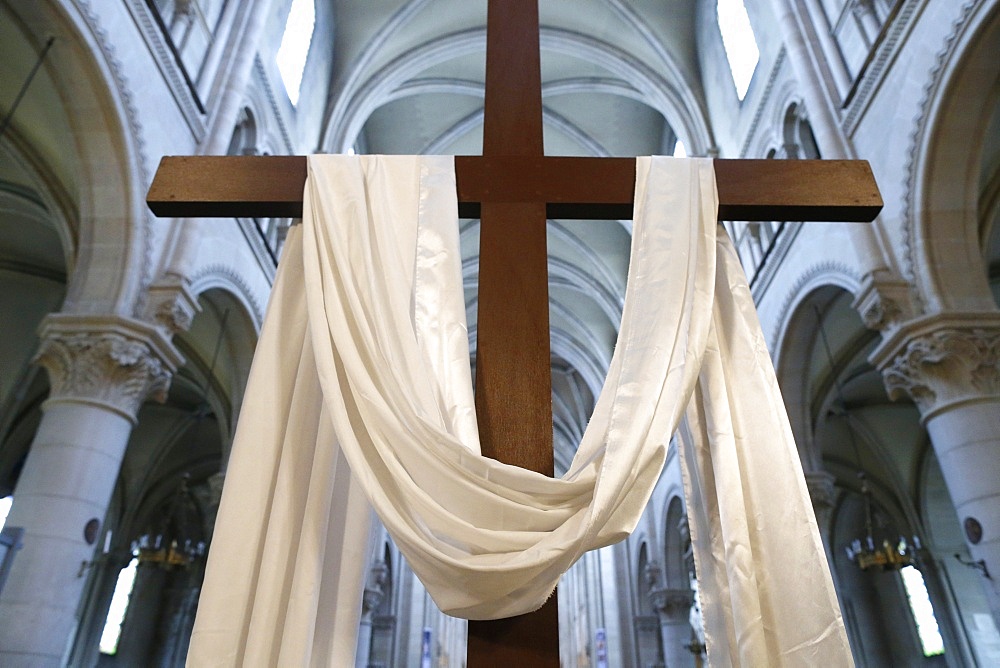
513 359
526 641
572 188
513 187
512 107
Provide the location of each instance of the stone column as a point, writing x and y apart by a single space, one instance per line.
864 10
100 370
823 494
370 602
822 102
833 59
949 364
144 613
180 602
673 607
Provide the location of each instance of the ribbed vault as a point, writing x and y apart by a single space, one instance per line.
618 79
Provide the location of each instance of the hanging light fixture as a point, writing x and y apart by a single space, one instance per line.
868 551
172 545
886 555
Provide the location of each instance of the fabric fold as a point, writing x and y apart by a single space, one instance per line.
504 533
371 363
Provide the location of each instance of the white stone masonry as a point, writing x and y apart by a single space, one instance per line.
949 364
100 370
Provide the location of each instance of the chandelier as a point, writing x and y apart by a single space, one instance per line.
172 546
867 552
887 555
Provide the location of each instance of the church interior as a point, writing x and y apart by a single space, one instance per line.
128 338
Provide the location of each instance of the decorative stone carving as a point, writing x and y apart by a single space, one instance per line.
174 316
172 305
860 7
823 493
674 604
653 574
378 574
945 366
213 496
113 362
883 302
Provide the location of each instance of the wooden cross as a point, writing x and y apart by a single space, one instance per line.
513 188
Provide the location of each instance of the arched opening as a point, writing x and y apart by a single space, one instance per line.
954 196
873 449
648 641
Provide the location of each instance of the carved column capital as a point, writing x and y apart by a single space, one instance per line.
672 604
823 493
884 302
215 483
113 362
943 360
374 588
171 305
860 7
653 574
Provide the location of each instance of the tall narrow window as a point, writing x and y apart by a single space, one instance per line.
923 612
119 605
4 509
295 46
741 47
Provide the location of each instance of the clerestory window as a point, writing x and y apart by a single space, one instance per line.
739 41
295 46
5 504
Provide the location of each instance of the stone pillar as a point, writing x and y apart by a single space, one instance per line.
822 101
144 612
949 364
823 494
180 602
100 370
370 602
673 607
864 11
833 59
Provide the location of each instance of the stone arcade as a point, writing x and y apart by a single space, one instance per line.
132 307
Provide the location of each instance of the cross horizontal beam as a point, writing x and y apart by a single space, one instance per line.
573 188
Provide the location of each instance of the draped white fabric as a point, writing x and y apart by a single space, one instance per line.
372 356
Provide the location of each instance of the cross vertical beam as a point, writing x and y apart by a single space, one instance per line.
513 358
511 187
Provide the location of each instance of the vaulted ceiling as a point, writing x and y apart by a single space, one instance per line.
619 78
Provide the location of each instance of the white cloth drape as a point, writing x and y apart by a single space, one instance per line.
362 381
